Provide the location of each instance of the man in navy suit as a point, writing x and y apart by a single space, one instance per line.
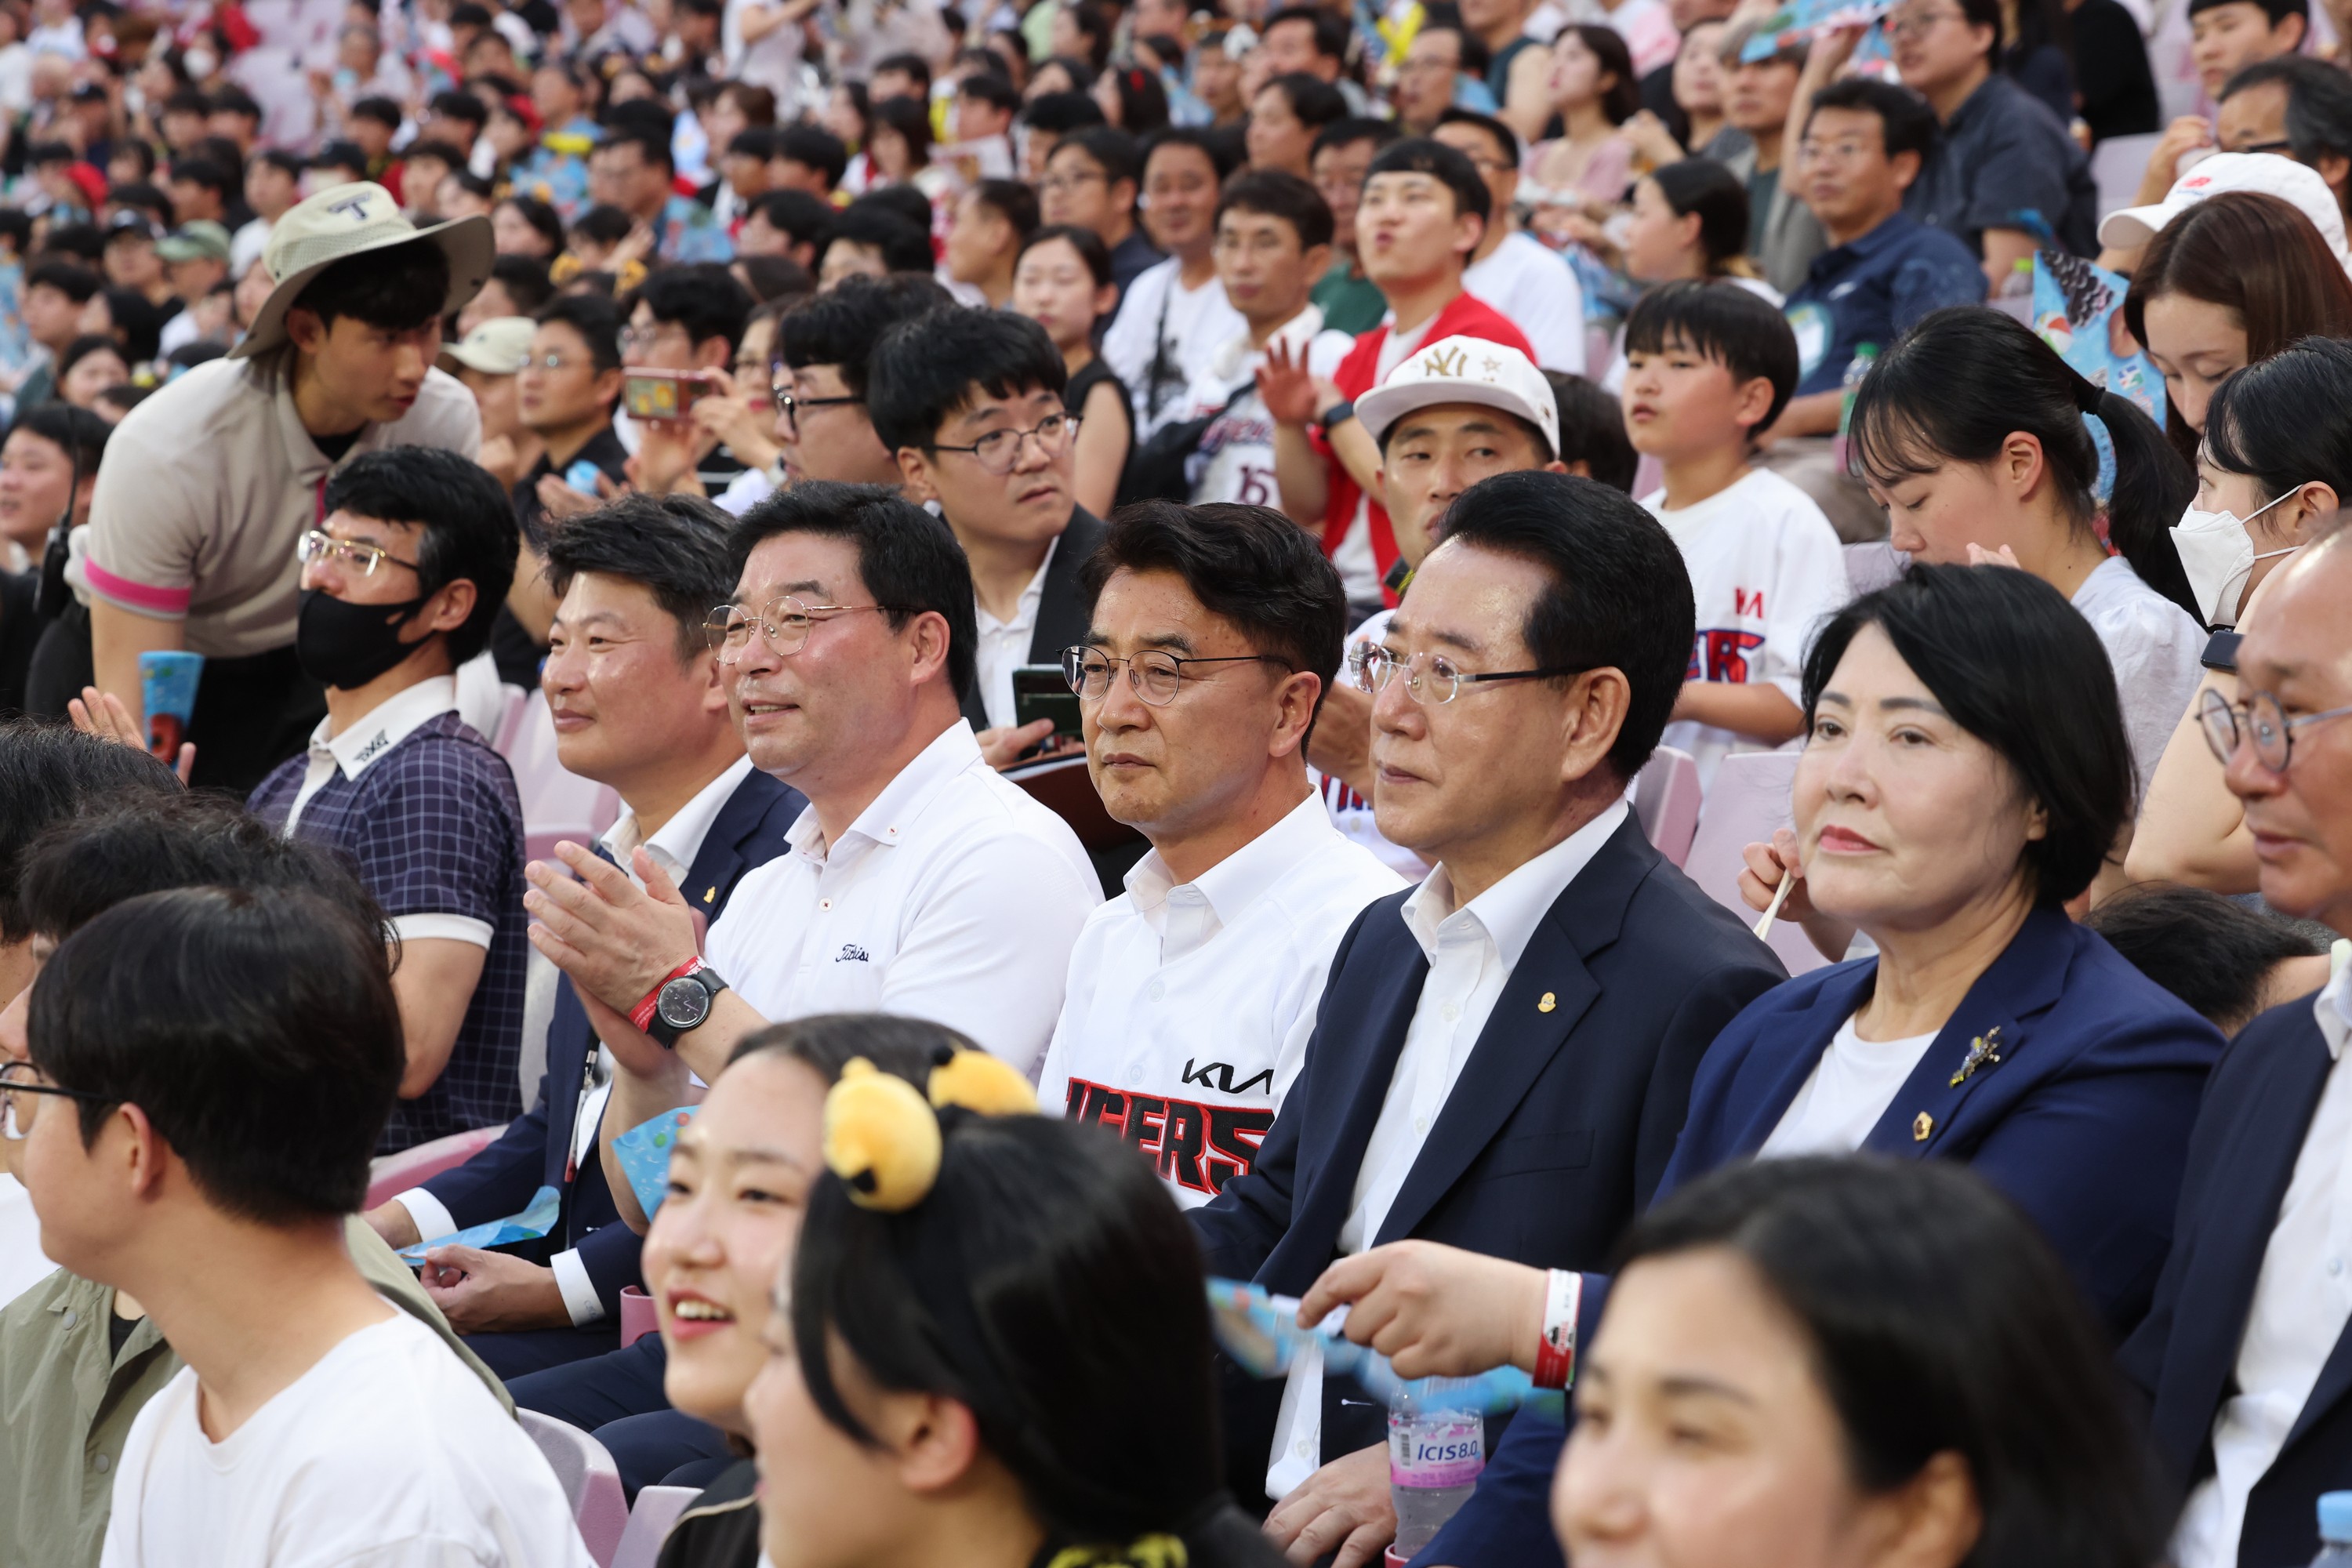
2245 1354
1502 1055
638 705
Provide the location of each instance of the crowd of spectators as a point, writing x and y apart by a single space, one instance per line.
731 730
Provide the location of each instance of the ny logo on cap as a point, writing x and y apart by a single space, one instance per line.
1448 361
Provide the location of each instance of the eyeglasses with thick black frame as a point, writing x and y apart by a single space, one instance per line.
19 1078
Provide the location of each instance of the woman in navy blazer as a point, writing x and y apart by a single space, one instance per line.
1965 772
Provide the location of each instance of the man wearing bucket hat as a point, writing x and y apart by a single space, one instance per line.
196 261
202 501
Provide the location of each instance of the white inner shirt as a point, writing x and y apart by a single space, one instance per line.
1847 1093
1003 645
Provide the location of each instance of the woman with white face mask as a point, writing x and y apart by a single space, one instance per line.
2276 460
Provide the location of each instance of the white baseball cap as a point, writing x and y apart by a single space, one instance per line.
2264 173
1465 370
499 346
351 220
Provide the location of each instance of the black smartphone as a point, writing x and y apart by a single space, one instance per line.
1043 691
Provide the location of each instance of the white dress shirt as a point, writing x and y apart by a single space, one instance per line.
1845 1095
2302 1300
953 897
1003 645
1188 1005
673 848
1472 951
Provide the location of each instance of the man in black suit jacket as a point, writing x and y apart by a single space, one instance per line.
2245 1356
638 706
1504 1054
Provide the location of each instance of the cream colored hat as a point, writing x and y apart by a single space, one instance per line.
1463 370
351 220
499 346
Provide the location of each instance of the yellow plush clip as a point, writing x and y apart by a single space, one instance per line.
983 1083
880 1138
1143 1552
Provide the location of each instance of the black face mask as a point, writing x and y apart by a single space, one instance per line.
346 646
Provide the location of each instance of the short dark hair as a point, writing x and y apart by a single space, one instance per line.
1619 594
89 343
1113 151
675 547
1907 121
2276 10
906 65
1217 148
1722 321
1062 113
807 218
911 120
2209 951
906 557
442 153
1013 200
526 281
77 432
815 146
2318 103
1091 250
1450 166
1719 197
51 773
1315 102
384 111
841 326
1936 1319
1249 564
290 165
1505 139
904 201
397 290
203 172
543 219
1279 194
257 1031
468 523
83 241
2257 422
1983 640
1593 430
1331 29
772 280
1472 56
455 105
757 142
702 297
235 99
991 90
1347 132
904 248
342 153
926 371
75 282
651 145
597 321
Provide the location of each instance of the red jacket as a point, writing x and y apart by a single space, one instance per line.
1464 316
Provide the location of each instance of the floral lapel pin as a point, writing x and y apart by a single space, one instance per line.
1984 1051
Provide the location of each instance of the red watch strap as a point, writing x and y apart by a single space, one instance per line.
642 1014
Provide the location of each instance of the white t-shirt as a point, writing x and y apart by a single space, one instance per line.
1235 461
1350 812
1766 570
388 1453
1845 1095
1189 1006
1192 324
774 62
2154 645
1537 289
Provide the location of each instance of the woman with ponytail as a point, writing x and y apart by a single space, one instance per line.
1984 446
993 1349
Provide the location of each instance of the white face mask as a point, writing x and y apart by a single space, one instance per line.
2219 556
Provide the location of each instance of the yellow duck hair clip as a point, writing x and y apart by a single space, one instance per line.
1143 1552
882 1137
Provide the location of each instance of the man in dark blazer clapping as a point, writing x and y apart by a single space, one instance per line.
1504 1054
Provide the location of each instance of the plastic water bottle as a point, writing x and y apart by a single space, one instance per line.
2335 1530
1435 1454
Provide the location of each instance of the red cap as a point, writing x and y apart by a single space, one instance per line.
92 181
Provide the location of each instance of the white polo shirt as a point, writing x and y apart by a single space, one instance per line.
954 896
1189 1006
207 485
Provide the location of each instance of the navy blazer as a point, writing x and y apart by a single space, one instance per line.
2185 1356
535 1149
1061 617
1556 1132
2084 1121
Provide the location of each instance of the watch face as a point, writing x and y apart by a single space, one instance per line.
683 1002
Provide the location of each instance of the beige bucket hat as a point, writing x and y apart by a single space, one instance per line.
351 220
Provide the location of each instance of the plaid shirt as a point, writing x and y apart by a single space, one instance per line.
434 826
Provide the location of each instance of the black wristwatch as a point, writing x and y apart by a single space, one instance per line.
1338 414
683 1003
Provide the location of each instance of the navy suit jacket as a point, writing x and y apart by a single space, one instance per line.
533 1151
2185 1356
2085 1122
1554 1135
1061 617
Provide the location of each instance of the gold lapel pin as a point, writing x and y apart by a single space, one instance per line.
1921 1127
1548 1004
709 893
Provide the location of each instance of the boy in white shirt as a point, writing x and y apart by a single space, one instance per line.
1707 365
209 1070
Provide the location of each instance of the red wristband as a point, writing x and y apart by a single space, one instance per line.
1555 1351
642 1014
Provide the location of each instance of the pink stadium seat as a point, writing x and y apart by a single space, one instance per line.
1667 799
589 1480
1749 799
649 1523
398 1173
637 1315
